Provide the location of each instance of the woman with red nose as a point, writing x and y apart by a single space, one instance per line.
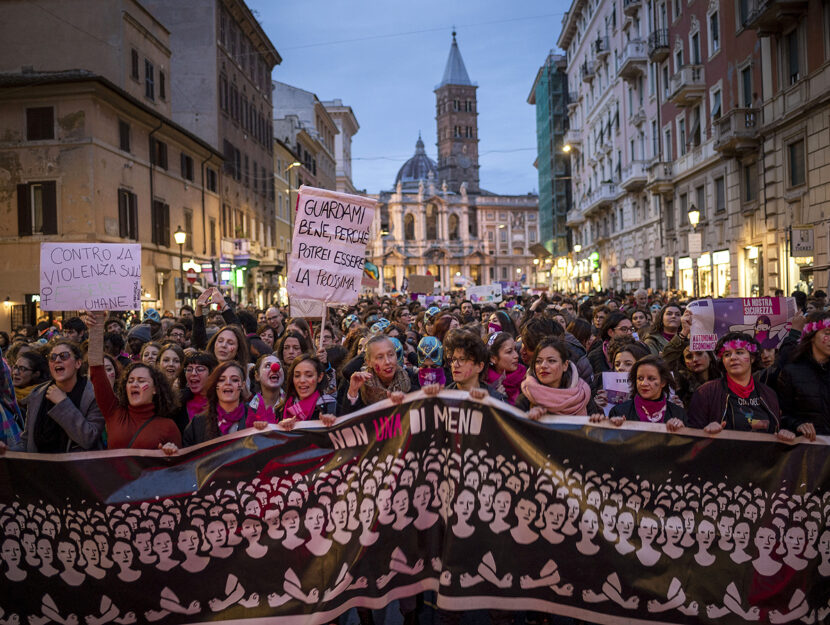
304 400
137 411
268 376
737 401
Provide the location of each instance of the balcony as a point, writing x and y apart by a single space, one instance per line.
226 247
601 48
588 71
601 197
573 101
573 137
659 179
574 217
638 118
687 87
634 176
658 45
633 61
736 133
630 7
771 18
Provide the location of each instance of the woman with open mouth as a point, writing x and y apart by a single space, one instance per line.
193 397
170 361
268 376
137 411
62 415
226 411
304 400
382 378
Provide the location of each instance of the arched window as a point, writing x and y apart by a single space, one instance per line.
432 222
453 227
409 227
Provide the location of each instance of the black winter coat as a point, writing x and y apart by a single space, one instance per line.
627 410
804 394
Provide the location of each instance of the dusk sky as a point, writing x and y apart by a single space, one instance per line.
385 58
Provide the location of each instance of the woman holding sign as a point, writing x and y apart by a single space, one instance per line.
737 401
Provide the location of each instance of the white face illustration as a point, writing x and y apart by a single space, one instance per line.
705 534
589 524
794 539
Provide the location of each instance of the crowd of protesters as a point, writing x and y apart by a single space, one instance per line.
167 382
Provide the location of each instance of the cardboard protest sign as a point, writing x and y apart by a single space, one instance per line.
484 293
768 319
328 252
510 288
422 284
617 389
90 276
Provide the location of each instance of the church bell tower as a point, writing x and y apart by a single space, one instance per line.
456 114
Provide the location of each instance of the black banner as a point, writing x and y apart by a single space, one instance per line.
466 499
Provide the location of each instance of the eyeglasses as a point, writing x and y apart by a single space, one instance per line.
62 356
459 361
197 369
21 369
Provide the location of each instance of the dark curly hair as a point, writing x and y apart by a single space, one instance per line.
164 400
467 341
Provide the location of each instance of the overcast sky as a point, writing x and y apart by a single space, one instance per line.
384 59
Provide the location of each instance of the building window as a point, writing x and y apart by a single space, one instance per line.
223 92
720 195
792 57
237 165
123 135
162 86
453 223
714 32
213 237
749 184
160 223
127 215
158 153
700 195
134 64
532 235
149 80
37 208
795 157
695 133
409 227
432 222
746 87
504 273
717 104
188 228
211 181
256 182
40 123
247 172
681 137
743 12
503 235
187 167
695 49
490 236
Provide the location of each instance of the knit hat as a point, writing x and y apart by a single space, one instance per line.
141 332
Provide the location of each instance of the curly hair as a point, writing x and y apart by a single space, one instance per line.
164 400
243 354
467 341
212 425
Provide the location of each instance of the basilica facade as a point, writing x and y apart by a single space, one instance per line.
437 220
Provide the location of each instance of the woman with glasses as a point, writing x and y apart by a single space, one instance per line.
616 326
62 415
193 397
29 370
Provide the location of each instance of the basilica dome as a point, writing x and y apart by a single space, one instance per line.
416 169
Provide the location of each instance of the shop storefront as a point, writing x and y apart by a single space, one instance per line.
753 271
714 274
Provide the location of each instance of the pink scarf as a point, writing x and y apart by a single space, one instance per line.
565 401
261 411
650 410
511 382
301 410
228 419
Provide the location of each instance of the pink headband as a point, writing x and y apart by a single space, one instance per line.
737 344
815 326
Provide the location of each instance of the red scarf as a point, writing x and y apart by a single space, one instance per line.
196 406
741 391
512 382
303 409
650 410
667 336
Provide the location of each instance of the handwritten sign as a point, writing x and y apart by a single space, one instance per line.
485 293
328 253
768 319
90 276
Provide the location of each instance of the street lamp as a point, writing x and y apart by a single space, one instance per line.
694 219
180 236
577 248
566 148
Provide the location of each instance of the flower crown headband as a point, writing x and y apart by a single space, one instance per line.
737 344
814 326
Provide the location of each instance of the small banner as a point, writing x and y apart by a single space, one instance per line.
768 319
90 276
469 500
328 249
